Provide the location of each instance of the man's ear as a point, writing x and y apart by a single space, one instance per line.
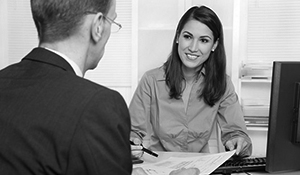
97 27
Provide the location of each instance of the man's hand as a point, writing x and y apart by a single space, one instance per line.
184 171
241 146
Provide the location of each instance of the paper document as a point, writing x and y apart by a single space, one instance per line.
205 163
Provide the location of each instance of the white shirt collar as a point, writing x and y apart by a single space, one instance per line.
75 67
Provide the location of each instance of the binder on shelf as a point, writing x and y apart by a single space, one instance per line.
255 107
255 121
256 70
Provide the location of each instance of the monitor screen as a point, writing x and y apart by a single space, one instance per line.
283 147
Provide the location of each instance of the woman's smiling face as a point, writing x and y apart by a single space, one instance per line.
195 43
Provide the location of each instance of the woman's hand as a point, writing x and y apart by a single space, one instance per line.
186 171
241 146
136 148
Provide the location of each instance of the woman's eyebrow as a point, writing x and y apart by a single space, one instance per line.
187 32
206 36
202 36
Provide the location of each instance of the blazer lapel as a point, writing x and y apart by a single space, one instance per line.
48 57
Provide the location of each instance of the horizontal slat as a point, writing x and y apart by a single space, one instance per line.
273 30
114 69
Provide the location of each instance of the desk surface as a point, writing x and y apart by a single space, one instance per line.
164 155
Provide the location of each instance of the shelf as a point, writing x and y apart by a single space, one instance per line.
256 110
256 128
257 122
256 80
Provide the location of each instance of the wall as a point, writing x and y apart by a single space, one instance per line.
157 30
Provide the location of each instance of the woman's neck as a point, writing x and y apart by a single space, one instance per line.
190 75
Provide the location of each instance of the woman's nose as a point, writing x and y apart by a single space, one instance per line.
193 47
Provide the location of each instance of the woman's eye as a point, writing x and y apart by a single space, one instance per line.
187 36
204 40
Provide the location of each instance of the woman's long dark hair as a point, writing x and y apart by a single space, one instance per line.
215 65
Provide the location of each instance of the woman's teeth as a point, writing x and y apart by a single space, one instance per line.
192 57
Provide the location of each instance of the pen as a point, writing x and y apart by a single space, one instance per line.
145 149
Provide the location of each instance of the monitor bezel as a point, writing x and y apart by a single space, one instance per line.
282 152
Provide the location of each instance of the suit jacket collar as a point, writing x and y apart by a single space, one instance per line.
45 56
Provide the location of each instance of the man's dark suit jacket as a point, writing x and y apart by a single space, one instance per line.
54 122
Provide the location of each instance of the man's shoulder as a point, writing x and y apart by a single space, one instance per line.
87 85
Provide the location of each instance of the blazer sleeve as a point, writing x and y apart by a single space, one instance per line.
101 141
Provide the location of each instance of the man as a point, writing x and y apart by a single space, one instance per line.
53 121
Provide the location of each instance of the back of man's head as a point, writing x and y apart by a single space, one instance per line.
57 20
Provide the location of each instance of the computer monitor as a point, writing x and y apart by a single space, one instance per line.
283 143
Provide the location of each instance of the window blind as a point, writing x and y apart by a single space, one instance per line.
115 69
21 32
273 30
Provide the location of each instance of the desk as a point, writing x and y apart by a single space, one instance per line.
164 155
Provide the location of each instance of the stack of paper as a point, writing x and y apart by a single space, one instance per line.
205 163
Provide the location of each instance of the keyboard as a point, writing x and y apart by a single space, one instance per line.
245 165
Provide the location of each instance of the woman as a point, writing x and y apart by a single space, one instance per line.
190 93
